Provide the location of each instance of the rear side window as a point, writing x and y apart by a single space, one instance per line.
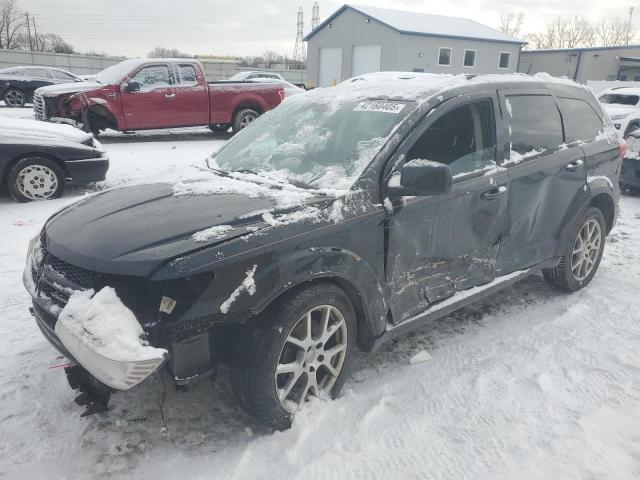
619 99
580 120
187 74
535 123
58 75
38 72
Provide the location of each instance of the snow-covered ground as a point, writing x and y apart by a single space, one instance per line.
529 384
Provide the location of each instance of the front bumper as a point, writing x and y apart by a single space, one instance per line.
88 170
630 172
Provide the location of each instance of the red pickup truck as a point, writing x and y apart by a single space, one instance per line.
142 94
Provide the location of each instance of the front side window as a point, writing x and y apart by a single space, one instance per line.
505 58
581 123
469 58
444 56
187 74
463 138
153 76
535 124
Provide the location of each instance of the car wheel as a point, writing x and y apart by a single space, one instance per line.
14 98
35 178
583 254
299 350
220 127
243 119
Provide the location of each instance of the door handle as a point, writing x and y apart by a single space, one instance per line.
494 192
169 95
573 166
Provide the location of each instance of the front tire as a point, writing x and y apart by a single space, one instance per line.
584 251
35 178
299 349
243 118
14 98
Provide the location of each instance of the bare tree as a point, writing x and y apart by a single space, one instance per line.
511 23
161 52
11 24
564 32
613 32
269 58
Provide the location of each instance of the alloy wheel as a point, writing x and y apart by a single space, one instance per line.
586 250
37 182
246 120
312 357
14 98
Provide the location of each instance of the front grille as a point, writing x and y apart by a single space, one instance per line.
39 107
78 276
56 296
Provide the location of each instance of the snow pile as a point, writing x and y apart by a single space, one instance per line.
213 233
102 322
308 213
248 285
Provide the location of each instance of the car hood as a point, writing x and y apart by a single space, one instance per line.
132 230
64 88
34 129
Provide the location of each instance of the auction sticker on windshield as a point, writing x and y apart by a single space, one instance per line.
386 107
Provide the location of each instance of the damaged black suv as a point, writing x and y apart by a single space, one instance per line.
341 219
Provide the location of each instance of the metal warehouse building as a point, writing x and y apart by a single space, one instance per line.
583 64
357 39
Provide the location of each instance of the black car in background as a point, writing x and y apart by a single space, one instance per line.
17 84
341 219
37 159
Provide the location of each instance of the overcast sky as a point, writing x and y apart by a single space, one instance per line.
248 27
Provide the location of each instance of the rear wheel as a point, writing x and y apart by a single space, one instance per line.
35 178
243 118
298 351
583 254
220 127
14 98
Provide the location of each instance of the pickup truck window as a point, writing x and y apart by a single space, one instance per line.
463 138
187 74
153 76
321 144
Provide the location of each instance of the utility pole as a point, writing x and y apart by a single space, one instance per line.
29 31
629 25
315 16
35 32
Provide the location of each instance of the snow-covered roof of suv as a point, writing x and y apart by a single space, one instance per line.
425 24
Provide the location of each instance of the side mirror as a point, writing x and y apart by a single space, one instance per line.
132 86
421 178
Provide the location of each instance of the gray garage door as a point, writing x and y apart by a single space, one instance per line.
366 59
330 66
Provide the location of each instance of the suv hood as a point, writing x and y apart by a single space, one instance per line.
34 129
132 230
64 88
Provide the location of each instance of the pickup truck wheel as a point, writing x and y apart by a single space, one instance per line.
14 98
299 350
584 252
243 118
219 127
35 178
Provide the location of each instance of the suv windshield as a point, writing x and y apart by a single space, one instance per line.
619 99
312 140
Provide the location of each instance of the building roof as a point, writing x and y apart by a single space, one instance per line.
415 23
579 49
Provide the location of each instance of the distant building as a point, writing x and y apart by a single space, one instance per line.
583 64
356 39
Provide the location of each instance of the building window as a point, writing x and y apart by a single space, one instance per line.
505 57
444 56
469 58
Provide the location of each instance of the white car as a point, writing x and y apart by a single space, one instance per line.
252 75
289 88
623 106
